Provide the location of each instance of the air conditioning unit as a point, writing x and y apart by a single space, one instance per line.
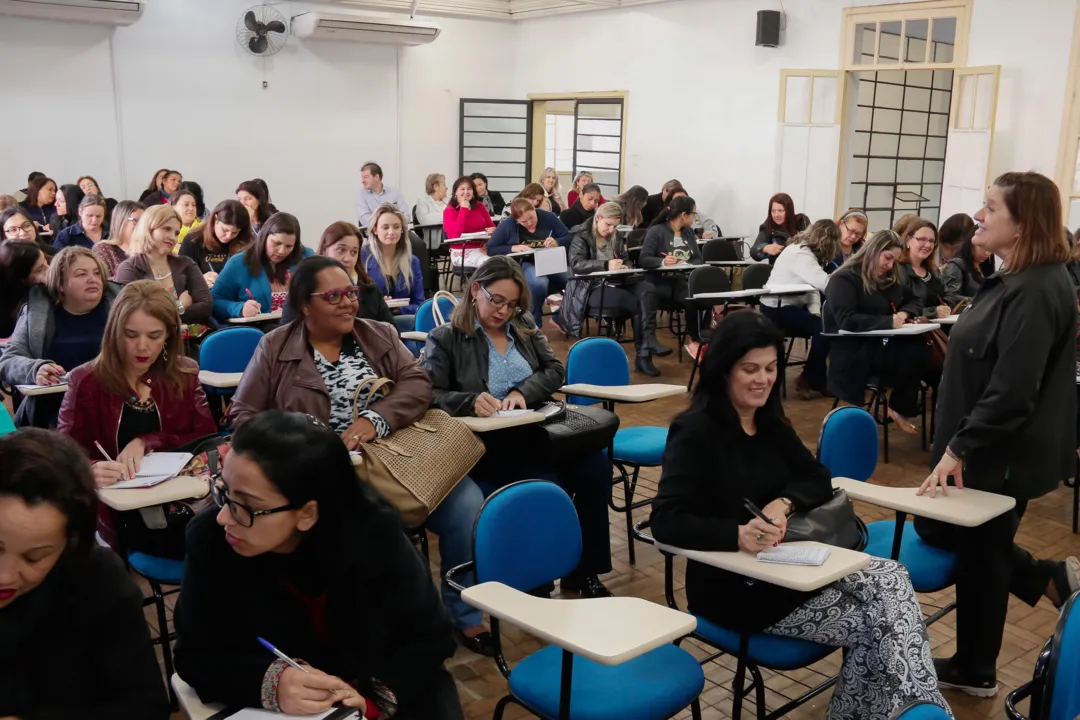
364 28
107 12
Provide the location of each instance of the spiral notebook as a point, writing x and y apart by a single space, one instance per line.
794 555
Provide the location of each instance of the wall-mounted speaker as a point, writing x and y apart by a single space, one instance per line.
768 28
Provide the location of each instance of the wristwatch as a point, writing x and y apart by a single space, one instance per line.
180 307
790 505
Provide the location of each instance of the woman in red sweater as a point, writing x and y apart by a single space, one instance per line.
464 214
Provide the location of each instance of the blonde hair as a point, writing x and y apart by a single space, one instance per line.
401 262
154 300
822 238
154 217
578 184
61 264
607 210
865 261
556 192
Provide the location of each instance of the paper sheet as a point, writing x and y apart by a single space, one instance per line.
156 468
794 555
510 413
549 261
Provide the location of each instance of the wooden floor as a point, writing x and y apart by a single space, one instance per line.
1045 531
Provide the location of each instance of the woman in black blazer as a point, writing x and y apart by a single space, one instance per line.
492 357
1005 417
918 265
299 553
73 639
868 294
873 613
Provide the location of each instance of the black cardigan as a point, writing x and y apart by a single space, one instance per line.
77 646
848 306
383 615
699 506
930 292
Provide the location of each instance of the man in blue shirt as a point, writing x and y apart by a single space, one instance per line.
374 194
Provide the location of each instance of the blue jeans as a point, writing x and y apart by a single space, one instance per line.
405 323
540 288
453 522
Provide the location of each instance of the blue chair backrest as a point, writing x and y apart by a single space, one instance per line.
425 318
228 350
526 535
6 424
848 443
1063 674
596 361
921 711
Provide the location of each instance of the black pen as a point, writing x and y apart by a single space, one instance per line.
756 512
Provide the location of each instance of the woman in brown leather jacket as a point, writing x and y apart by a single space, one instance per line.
314 365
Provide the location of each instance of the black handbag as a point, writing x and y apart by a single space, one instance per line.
833 523
575 430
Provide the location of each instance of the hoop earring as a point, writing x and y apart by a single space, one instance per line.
165 354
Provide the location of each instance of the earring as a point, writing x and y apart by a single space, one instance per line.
165 354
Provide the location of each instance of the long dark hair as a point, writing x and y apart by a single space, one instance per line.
47 467
196 192
34 187
333 234
305 460
230 212
966 253
954 229
7 213
463 180
256 258
73 196
17 259
256 190
791 223
737 335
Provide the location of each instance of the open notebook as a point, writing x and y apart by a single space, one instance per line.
794 555
156 468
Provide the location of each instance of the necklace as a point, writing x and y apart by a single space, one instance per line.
162 277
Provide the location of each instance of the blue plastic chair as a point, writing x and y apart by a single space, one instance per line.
160 571
1054 690
921 710
227 351
526 535
425 317
6 423
752 651
848 447
602 361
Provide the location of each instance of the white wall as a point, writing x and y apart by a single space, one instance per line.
188 97
703 98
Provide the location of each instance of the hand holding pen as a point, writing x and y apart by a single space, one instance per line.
307 691
251 305
761 532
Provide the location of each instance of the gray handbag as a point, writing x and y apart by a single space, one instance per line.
832 523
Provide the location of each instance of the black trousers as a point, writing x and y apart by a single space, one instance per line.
799 322
990 567
440 702
899 364
636 299
674 291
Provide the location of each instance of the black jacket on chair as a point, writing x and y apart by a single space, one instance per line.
1007 403
383 615
699 506
458 366
77 646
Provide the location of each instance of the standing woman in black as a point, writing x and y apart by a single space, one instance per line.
866 293
1005 419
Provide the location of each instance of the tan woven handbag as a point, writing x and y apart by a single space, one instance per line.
416 467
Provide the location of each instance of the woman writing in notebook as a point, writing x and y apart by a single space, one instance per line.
298 553
873 613
139 394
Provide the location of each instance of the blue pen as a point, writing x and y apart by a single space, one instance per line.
282 655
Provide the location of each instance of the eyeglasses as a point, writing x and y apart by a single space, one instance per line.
334 296
860 233
241 513
499 302
923 241
26 228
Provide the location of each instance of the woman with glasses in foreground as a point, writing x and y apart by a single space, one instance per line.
299 554
492 357
315 364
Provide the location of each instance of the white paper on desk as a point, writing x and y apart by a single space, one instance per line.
549 261
156 468
32 388
798 287
510 413
794 555
255 714
474 236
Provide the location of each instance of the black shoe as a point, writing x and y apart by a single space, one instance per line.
589 586
655 348
951 677
482 644
644 365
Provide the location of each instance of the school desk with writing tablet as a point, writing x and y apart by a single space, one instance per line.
805 578
196 709
624 393
731 294
611 273
607 630
479 424
947 320
909 329
731 263
261 317
173 489
964 507
35 390
221 381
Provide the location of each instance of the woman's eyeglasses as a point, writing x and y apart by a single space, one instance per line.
12 230
499 302
334 296
242 514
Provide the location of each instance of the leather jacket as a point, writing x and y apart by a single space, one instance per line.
582 261
458 366
282 375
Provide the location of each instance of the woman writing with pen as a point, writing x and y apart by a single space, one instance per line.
257 281
298 554
531 228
